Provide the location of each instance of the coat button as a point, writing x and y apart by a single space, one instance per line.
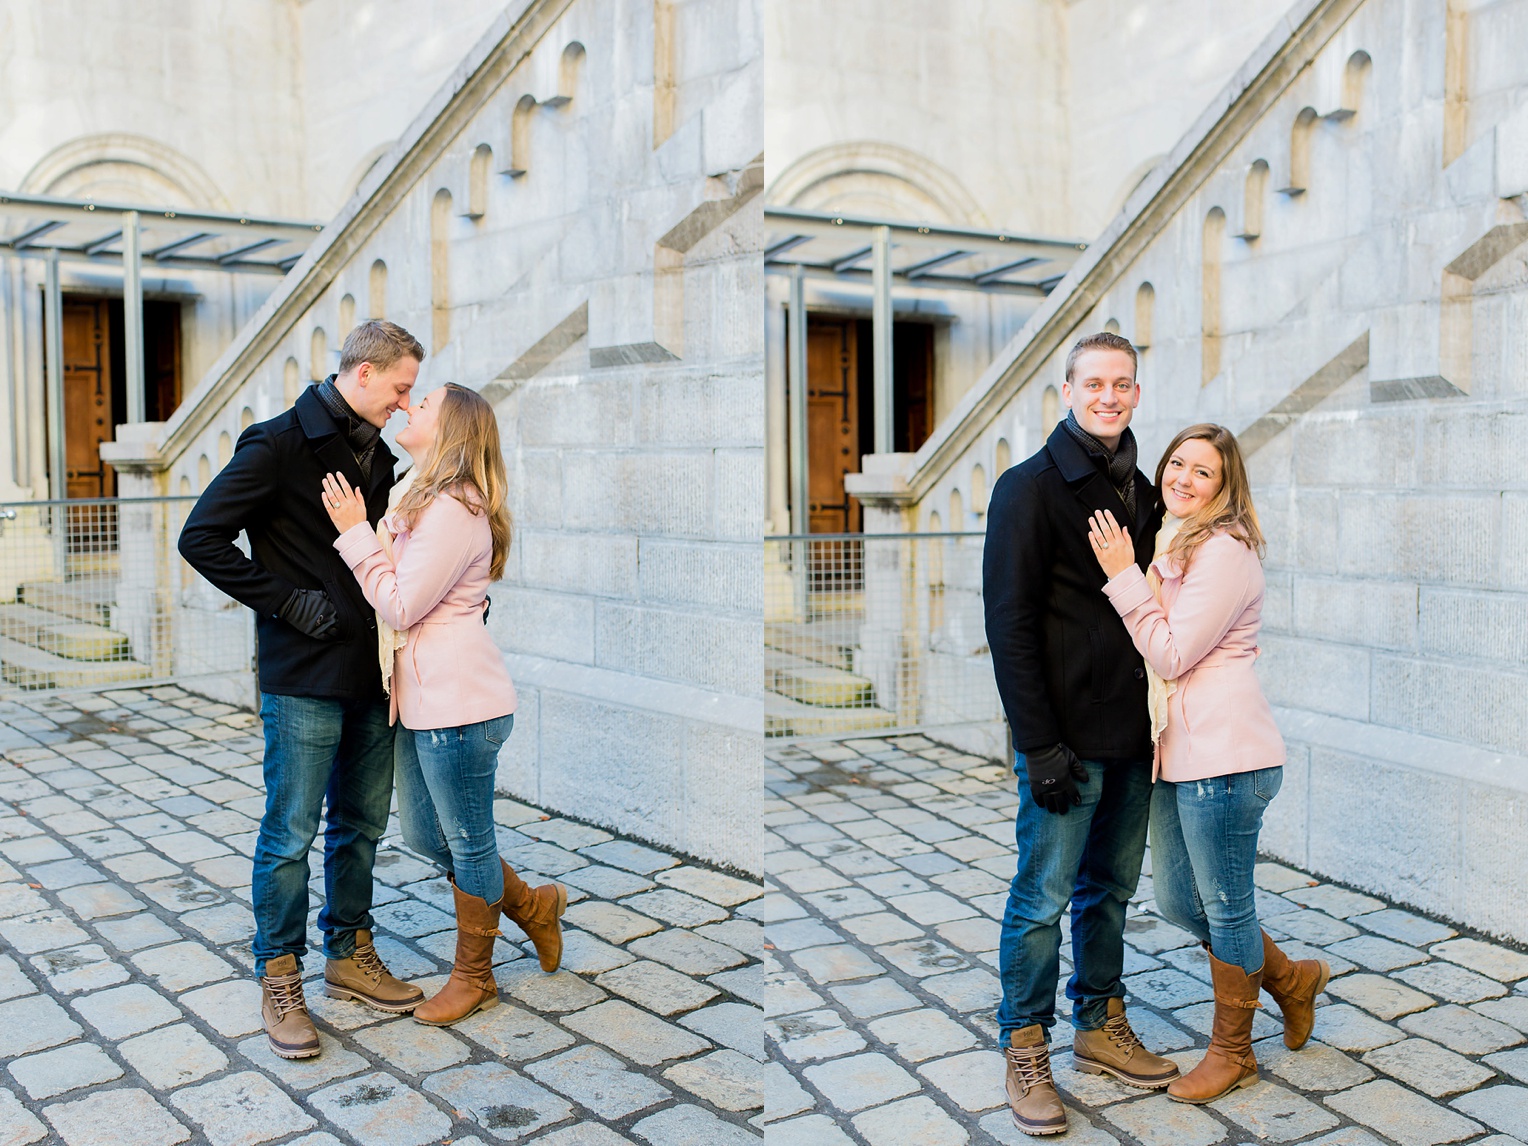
1140 674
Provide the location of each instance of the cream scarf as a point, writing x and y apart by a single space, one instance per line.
1158 690
389 639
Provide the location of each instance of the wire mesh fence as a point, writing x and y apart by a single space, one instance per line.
873 632
94 594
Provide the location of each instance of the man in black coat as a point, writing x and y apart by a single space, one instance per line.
327 735
1073 688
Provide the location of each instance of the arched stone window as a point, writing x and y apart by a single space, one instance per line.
520 137
569 67
978 490
1253 192
376 303
1050 409
225 449
1299 152
246 419
318 355
1354 76
347 316
291 381
1145 308
957 512
1209 322
477 187
440 269
203 473
935 522
1112 326
1004 457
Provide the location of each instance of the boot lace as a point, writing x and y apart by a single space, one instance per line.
286 994
370 963
1117 1027
1031 1064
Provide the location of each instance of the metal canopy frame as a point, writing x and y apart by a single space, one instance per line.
122 234
885 253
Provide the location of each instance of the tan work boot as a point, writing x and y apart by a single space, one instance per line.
1294 985
536 912
1032 1097
287 1023
1229 1062
470 987
366 979
1115 1049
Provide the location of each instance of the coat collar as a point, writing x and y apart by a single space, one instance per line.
1080 471
330 445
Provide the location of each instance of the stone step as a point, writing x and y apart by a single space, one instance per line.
801 641
786 717
815 684
87 599
62 636
28 667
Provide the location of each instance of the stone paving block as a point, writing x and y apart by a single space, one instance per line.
676 908
1152 936
783 1095
186 847
812 878
630 856
1336 901
64 873
335 1061
725 890
1512 1063
922 958
813 1035
1167 988
99 900
813 1130
140 867
12 980
656 987
741 935
606 882
230 1008
794 934
100 845
610 922
726 1079
912 1119
596 1079
559 991
413 1047
16 900
1399 1114
1404 927
787 993
972 1080
1461 1029
66 1068
410 918
1425 1066
1451 982
691 1126
225 871
923 1034
394 868
33 848
1315 1067
1200 1017
876 997
579 1134
122 1011
224 923
1513 1011
1316 927
509 1032
643 1038
18 1125
1385 998
496 1098
966 991
127 1117
733 1025
178 966
172 1056
837 963
33 1023
979 935
1378 954
381 1111
241 1110
155 823
40 931
180 894
1350 1029
931 907
71 970
842 902
861 1080
1272 1113
685 952
1158 1121
1503 1107
1489 959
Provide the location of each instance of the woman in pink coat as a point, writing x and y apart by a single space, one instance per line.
1219 757
426 570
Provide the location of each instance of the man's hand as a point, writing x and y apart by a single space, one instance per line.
1054 774
310 611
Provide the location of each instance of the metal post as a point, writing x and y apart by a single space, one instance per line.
796 380
132 317
53 327
880 277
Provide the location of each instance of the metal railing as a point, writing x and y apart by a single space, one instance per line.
872 632
93 594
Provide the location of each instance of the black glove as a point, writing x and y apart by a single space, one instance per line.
1054 774
310 611
487 605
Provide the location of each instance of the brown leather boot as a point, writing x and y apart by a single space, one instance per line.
537 913
1032 1097
287 1024
1229 1062
1115 1049
1294 985
470 987
366 979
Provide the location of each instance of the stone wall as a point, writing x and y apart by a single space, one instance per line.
571 229
1335 262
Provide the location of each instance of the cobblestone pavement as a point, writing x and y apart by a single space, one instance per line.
129 1015
888 864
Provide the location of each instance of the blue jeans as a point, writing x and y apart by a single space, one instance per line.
445 800
318 750
1203 850
1090 858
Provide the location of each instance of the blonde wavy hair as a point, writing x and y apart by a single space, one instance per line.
465 460
1230 510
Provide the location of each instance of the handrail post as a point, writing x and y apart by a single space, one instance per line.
880 337
132 318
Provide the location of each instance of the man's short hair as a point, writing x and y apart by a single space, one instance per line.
1103 340
381 343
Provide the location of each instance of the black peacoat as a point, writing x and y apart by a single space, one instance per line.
1066 668
271 490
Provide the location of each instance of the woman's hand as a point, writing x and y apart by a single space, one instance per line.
1111 544
346 506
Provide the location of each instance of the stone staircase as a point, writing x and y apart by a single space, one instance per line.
810 686
59 635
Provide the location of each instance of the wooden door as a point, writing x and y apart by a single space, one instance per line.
89 418
833 424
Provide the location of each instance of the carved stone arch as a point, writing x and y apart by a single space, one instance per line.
376 290
440 269
570 66
1355 78
873 178
1254 192
520 137
1111 325
1210 305
1133 180
367 165
116 166
478 177
1145 314
1297 180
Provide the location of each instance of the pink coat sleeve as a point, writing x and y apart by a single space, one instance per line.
438 552
1212 597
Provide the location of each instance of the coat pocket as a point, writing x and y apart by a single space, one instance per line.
1098 669
349 624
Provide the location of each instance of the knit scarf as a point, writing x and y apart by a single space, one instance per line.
360 435
1158 690
1121 462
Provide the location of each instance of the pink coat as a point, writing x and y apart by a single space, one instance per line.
1203 634
449 672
